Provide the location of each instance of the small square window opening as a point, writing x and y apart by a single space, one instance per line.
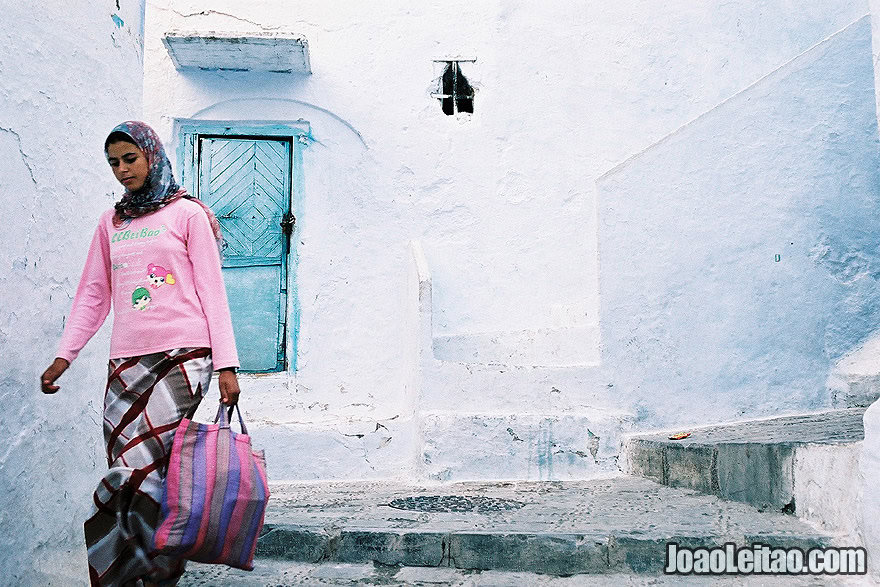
456 93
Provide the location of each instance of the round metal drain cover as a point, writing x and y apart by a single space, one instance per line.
455 503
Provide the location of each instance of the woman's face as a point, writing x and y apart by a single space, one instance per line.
129 164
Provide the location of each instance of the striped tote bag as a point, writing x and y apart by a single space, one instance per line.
215 496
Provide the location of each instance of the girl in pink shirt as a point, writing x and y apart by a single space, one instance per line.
154 258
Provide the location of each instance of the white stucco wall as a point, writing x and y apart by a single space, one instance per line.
869 463
868 480
503 201
701 322
68 74
855 379
826 488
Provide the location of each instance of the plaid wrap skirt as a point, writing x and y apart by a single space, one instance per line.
145 399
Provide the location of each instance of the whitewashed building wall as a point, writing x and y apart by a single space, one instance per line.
865 365
69 72
554 272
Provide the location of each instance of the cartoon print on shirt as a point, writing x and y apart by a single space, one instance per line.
159 276
140 298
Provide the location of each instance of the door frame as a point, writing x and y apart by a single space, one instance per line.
187 133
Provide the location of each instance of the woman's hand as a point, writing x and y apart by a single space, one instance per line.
229 387
54 371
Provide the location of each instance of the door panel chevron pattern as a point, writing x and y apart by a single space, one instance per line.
246 181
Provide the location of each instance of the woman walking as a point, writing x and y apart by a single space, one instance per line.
154 258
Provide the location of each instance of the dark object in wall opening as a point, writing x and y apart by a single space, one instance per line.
457 94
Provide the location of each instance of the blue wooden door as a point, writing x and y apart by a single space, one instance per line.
246 182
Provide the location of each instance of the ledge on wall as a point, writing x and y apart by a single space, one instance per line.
215 51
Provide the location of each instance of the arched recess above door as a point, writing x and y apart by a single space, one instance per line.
326 127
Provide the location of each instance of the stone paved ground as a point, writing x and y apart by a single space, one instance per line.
338 524
616 504
281 573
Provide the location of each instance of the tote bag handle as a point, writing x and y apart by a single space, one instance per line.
223 416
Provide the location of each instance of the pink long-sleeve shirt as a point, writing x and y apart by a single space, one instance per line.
162 273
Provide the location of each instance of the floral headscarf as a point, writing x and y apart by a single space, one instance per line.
160 188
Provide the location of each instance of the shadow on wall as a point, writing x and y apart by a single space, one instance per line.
738 254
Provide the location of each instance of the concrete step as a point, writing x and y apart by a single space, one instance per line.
278 573
855 379
794 464
619 524
558 446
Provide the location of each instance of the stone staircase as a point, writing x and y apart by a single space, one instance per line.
745 482
769 464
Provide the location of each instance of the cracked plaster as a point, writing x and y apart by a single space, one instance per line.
54 114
